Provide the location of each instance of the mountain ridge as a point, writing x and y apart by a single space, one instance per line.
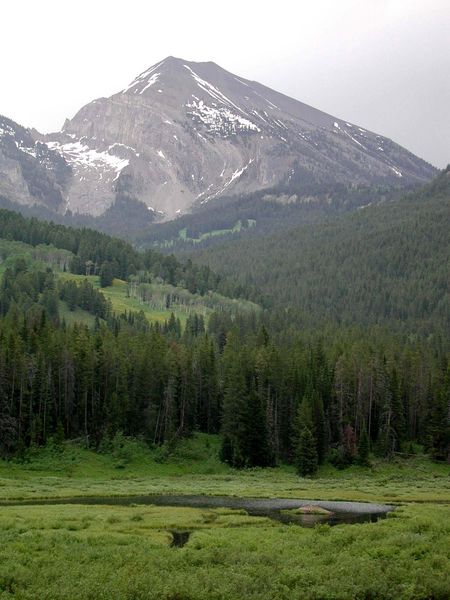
184 133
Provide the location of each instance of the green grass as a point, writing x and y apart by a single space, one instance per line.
194 468
183 236
100 551
75 316
117 294
87 552
238 226
40 256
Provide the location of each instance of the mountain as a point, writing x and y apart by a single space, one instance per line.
184 133
385 264
31 173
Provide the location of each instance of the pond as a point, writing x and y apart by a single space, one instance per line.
284 510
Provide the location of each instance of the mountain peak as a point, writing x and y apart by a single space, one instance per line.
183 133
181 61
168 69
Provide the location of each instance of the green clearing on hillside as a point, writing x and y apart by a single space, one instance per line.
183 234
117 294
75 316
40 256
47 256
44 256
205 305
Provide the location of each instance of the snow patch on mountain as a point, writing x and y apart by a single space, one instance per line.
396 171
7 130
220 121
271 104
212 91
151 80
235 175
82 157
147 79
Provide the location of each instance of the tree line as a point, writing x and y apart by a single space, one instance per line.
302 402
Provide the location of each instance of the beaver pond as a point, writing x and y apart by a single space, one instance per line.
284 510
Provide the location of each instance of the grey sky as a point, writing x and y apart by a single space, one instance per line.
383 64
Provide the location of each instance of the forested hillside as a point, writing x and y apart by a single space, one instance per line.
95 253
163 383
274 391
386 264
260 214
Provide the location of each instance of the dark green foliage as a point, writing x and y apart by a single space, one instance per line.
242 374
162 383
244 421
306 455
349 444
106 275
94 251
386 264
85 296
363 449
438 440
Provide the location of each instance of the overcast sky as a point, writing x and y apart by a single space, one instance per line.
383 64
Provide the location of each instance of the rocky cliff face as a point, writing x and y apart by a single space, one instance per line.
30 172
184 133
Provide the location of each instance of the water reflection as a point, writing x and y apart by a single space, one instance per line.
283 510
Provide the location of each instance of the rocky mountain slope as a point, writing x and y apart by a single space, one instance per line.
184 133
30 171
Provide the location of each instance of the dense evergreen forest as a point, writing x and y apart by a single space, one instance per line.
382 265
275 393
269 211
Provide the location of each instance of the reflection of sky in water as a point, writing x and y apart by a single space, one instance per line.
282 510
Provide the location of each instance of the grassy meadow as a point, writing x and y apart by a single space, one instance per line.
121 302
101 551
69 552
117 294
193 467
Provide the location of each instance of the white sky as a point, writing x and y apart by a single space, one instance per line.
383 64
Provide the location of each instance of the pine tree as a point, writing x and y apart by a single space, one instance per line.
349 444
234 405
306 458
106 275
306 455
439 422
363 449
256 446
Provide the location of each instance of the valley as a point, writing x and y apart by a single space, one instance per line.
164 407
224 312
